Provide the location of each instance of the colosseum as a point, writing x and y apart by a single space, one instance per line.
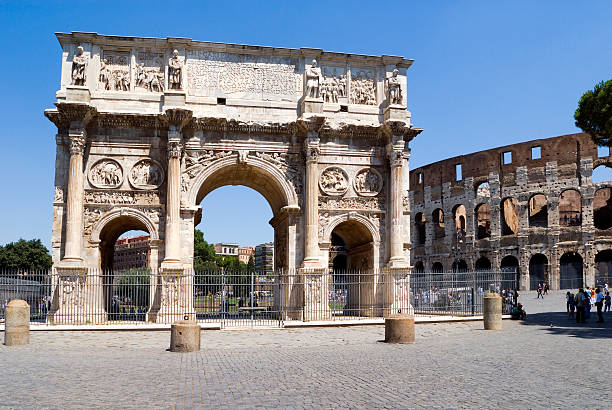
542 207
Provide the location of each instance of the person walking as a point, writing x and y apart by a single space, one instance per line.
540 291
580 302
599 298
567 301
571 305
545 289
607 302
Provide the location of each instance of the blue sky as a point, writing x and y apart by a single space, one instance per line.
486 73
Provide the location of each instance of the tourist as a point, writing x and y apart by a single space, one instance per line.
599 304
518 313
607 302
580 301
540 291
587 305
567 301
570 304
545 289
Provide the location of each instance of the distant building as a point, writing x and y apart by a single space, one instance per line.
132 253
245 253
226 249
264 258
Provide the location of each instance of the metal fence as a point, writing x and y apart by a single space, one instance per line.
248 298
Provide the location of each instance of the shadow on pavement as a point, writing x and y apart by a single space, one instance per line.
559 323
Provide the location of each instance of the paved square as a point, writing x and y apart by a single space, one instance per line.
526 365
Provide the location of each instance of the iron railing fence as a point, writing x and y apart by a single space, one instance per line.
461 293
240 298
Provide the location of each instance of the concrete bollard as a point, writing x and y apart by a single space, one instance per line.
492 311
17 323
185 336
399 329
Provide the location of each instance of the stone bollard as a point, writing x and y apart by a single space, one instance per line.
185 336
492 311
17 323
399 329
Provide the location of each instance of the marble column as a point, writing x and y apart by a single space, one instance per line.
396 245
173 207
311 242
74 200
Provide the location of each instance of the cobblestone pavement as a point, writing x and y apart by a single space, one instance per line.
526 365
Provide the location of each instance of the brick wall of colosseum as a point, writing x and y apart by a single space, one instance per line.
532 205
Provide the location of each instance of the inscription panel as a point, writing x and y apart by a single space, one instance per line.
242 76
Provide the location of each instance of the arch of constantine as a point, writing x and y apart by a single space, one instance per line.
147 127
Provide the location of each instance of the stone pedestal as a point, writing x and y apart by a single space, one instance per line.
174 99
492 311
173 297
312 106
399 329
396 113
316 291
185 336
76 297
77 94
17 322
397 291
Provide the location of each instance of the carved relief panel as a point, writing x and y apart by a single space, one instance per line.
114 71
363 86
368 182
146 174
333 181
149 72
106 173
334 85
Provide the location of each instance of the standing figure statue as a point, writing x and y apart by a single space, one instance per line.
313 76
104 75
79 62
394 89
175 68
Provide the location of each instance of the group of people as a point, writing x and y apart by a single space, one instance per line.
583 301
542 290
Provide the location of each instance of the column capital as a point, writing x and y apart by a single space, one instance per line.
77 144
396 154
312 147
175 149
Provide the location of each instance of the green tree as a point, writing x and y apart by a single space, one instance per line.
204 256
25 256
251 264
594 113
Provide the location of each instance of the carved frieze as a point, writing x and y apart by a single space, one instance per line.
106 173
149 71
114 71
363 87
215 73
358 203
59 194
91 215
146 174
333 181
368 182
288 164
324 220
121 197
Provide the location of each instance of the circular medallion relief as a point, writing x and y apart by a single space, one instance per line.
333 181
146 174
368 182
106 173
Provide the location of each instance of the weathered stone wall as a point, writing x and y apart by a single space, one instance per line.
516 228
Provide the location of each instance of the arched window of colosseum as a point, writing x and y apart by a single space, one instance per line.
437 217
460 266
483 219
570 208
602 208
510 272
419 221
538 211
509 217
459 217
538 270
603 274
483 190
437 267
602 173
419 267
482 264
571 271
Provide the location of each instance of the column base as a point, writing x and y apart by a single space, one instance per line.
76 297
316 294
173 298
398 263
